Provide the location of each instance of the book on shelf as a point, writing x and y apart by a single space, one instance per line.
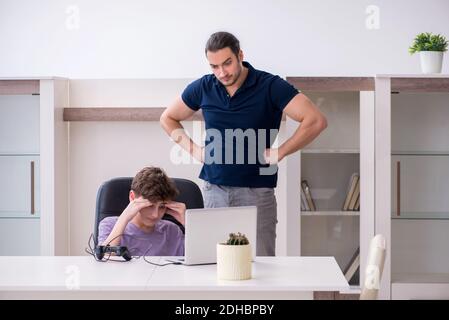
355 280
353 181
304 204
308 194
357 203
354 196
353 265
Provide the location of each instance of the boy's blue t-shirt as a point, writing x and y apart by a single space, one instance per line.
257 105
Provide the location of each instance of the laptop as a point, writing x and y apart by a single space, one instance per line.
204 228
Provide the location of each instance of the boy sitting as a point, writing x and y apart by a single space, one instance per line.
140 226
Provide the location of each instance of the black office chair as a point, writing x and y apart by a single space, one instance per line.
113 198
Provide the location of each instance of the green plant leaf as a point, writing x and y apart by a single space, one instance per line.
427 41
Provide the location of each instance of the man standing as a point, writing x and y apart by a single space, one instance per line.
240 103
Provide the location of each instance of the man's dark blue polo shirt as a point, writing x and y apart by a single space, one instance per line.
256 105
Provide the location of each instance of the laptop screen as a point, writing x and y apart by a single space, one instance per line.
205 228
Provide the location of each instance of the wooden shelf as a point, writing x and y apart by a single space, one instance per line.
418 82
399 83
121 114
117 114
15 87
332 84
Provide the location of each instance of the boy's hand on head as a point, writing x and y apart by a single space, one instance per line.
134 207
177 210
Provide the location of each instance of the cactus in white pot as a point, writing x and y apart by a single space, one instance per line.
234 258
431 48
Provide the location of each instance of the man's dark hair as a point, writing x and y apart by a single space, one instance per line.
153 184
221 40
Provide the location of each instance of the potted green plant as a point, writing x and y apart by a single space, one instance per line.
431 48
234 258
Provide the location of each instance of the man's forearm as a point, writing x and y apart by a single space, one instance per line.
176 131
306 133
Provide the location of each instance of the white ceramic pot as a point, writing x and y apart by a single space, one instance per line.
431 61
233 262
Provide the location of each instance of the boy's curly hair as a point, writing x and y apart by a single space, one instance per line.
153 184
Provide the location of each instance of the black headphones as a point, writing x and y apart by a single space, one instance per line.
122 251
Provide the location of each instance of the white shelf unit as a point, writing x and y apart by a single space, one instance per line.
412 183
33 166
344 148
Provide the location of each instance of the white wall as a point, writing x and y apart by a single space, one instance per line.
165 39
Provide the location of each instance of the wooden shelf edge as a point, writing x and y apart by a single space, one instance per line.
121 114
117 114
400 83
420 84
13 87
334 84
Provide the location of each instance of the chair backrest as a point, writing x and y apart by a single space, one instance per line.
374 268
113 198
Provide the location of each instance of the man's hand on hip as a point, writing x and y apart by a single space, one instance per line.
273 155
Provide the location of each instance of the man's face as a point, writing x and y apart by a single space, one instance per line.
225 65
149 216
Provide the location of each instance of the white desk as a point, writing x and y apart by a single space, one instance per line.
85 278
